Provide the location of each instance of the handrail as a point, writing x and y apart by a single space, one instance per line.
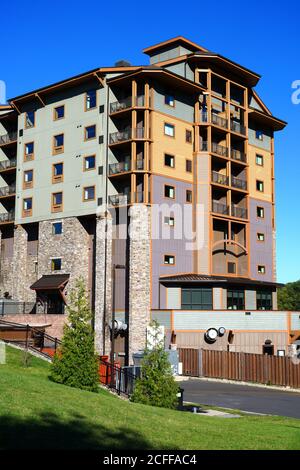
220 208
238 155
5 164
219 149
117 378
8 190
9 137
219 178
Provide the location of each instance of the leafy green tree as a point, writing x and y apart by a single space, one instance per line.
75 363
289 296
156 386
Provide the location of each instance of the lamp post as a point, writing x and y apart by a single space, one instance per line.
112 352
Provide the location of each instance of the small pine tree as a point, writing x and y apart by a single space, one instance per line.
75 363
156 386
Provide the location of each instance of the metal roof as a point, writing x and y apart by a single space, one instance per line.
50 282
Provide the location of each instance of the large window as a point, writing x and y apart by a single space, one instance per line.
235 299
197 299
264 300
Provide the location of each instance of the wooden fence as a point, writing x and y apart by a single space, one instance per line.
271 370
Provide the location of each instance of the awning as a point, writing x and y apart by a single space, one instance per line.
51 282
188 278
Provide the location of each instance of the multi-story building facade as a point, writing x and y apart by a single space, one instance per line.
182 151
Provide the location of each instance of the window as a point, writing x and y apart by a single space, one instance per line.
56 264
28 179
197 299
89 163
29 119
89 193
90 100
188 136
231 267
27 207
260 212
57 228
57 172
57 202
259 159
58 144
169 259
259 135
261 269
169 130
188 166
235 299
170 161
260 186
29 151
59 112
169 221
90 132
189 196
170 100
260 237
169 191
264 300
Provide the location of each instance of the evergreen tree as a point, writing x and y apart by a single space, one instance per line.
156 386
75 363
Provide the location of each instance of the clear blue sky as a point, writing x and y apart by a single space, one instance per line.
43 42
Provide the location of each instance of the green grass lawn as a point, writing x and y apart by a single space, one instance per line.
37 413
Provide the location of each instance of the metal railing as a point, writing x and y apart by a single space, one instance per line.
7 217
220 208
126 103
239 212
203 146
238 155
120 167
10 307
6 164
122 136
237 127
219 121
219 178
7 138
8 190
239 183
119 199
33 338
219 149
119 379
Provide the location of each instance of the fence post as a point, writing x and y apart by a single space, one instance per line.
27 332
119 387
200 368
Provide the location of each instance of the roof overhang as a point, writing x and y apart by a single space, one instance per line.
267 120
51 282
170 78
189 278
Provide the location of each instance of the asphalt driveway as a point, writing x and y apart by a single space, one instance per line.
242 397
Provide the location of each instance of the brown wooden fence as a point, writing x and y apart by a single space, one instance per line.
244 367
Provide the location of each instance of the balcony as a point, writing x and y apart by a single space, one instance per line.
238 156
219 149
215 119
239 183
8 191
220 208
123 136
219 178
127 103
7 217
119 168
239 212
8 138
119 199
237 127
8 164
203 146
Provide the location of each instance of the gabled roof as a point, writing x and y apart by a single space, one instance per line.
178 40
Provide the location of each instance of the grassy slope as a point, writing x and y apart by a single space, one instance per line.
36 413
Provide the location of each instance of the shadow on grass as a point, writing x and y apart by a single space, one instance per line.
48 431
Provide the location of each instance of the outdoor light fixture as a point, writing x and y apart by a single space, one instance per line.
211 335
221 331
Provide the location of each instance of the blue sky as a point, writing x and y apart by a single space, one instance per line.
43 42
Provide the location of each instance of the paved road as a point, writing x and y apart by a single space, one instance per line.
242 397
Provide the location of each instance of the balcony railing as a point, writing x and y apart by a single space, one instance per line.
122 136
203 146
215 119
237 127
119 199
7 217
220 208
120 167
7 190
139 165
239 183
126 103
6 164
239 212
219 178
219 149
238 155
7 138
